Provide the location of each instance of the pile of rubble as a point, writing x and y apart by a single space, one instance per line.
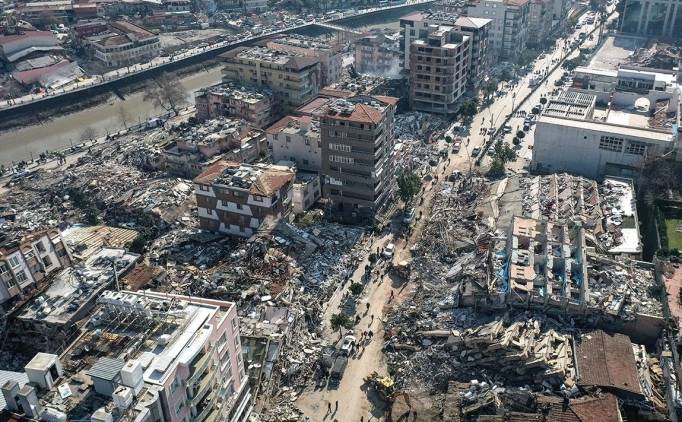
658 56
419 136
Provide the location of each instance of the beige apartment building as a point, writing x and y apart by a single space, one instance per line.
236 198
509 28
25 263
328 53
439 69
230 99
377 54
294 79
296 139
358 155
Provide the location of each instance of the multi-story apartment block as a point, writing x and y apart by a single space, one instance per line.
539 21
479 57
296 139
29 261
255 105
509 27
124 44
328 53
149 357
237 198
415 26
377 54
439 70
661 18
197 147
294 79
357 155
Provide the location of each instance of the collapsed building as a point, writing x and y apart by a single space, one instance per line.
48 321
195 148
255 105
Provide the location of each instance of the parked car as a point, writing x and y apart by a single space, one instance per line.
408 216
389 250
476 151
348 345
491 150
507 129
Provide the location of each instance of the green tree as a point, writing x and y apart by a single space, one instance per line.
340 321
165 92
356 288
516 141
408 185
543 100
506 75
520 134
468 109
496 169
490 88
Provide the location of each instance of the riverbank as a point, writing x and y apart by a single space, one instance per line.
64 128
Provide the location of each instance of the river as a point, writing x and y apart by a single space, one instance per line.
61 131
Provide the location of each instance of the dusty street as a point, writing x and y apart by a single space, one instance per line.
354 402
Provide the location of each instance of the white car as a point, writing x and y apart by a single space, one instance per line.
348 345
388 250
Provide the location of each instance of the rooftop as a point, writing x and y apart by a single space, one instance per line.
302 41
77 286
292 124
367 109
469 22
84 241
258 179
577 105
268 55
246 93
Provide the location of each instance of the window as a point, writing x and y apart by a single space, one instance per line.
40 247
288 139
179 407
257 198
610 143
203 188
636 148
240 206
3 268
47 261
21 276
13 261
209 211
341 159
340 147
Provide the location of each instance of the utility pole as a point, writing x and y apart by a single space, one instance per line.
118 286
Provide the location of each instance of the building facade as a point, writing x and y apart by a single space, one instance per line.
195 148
439 70
377 54
539 21
182 362
509 26
296 139
294 79
254 105
479 56
662 18
29 261
124 44
237 199
328 53
609 133
357 155
15 47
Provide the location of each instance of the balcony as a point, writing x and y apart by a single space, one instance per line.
204 385
199 368
205 407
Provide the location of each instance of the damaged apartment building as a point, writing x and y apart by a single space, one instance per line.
230 99
48 320
293 78
358 155
570 246
196 147
26 263
142 356
237 198
329 53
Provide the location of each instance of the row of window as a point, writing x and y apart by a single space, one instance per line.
340 147
341 159
615 144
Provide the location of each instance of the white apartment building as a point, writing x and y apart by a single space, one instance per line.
329 54
509 28
296 139
609 132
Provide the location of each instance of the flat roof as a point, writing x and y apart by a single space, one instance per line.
626 131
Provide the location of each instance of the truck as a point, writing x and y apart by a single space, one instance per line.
456 145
